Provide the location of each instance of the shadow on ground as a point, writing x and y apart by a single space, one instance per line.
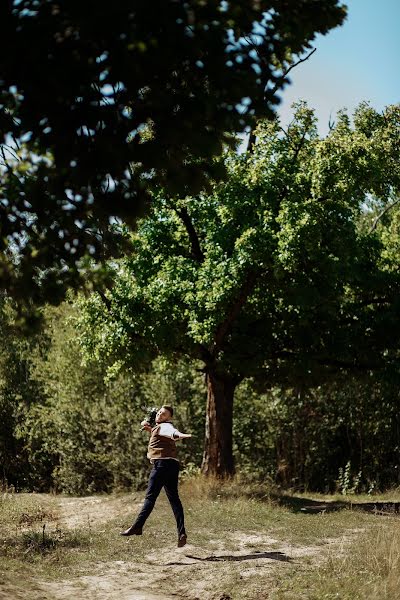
231 557
280 556
304 505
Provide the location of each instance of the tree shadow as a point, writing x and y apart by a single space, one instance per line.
307 506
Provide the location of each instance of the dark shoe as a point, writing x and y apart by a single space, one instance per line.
132 531
182 540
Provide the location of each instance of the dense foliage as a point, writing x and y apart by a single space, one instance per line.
102 100
340 436
273 275
63 428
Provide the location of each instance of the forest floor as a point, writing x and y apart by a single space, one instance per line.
243 543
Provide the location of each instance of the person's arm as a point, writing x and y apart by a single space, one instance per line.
181 436
168 430
178 435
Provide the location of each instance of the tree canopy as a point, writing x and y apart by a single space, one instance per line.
275 274
102 101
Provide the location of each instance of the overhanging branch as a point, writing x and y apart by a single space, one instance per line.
196 250
252 137
293 66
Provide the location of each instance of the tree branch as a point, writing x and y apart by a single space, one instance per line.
104 299
252 137
197 252
293 66
379 217
205 355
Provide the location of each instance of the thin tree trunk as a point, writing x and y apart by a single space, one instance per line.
218 457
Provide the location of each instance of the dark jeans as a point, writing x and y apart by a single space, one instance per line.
164 474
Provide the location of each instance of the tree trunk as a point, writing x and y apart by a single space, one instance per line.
217 457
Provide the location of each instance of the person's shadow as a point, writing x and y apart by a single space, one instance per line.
232 557
280 556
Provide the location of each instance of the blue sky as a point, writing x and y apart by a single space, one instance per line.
355 62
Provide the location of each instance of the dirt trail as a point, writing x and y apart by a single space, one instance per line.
191 572
90 510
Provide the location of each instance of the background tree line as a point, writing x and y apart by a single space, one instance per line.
64 428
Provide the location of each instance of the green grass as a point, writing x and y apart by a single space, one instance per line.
346 553
368 569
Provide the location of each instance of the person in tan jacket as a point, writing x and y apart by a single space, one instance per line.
164 474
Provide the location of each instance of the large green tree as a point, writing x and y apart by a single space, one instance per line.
101 100
274 275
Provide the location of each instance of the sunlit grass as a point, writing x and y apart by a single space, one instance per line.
367 569
352 554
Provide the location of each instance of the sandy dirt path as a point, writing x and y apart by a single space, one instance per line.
191 572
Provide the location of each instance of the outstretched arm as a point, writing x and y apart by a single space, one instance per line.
182 436
167 430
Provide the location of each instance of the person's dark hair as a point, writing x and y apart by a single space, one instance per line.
171 410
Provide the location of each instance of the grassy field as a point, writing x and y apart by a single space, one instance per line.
245 542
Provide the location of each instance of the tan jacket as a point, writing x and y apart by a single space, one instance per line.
162 446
